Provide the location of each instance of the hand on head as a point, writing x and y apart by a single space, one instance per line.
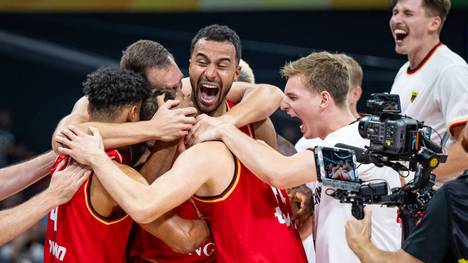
80 146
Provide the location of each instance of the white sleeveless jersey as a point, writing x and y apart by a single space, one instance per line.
435 92
331 216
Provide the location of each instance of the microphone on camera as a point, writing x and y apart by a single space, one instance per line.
361 154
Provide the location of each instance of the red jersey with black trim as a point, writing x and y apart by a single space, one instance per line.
148 248
251 220
76 233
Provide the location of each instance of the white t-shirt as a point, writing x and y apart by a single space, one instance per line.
436 92
331 215
301 145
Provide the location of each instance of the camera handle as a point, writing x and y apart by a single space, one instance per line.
357 209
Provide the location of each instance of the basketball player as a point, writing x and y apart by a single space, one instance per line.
92 227
249 220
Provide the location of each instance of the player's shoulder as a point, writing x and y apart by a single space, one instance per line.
212 151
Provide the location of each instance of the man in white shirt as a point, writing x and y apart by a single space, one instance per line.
433 84
316 93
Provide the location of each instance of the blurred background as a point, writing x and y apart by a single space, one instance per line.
48 46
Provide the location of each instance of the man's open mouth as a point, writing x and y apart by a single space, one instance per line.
208 92
400 34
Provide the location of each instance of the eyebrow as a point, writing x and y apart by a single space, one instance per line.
206 57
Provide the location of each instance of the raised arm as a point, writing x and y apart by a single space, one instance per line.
144 203
255 102
267 164
19 176
63 186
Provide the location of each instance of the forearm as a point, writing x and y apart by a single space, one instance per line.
182 235
256 105
266 163
17 177
15 221
116 135
457 161
369 253
132 196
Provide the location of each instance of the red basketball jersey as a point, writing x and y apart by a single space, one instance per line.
148 248
251 220
76 233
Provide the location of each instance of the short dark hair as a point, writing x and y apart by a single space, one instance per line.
219 33
150 106
110 88
144 54
439 8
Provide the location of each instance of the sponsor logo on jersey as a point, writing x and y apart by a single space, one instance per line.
57 250
206 250
414 94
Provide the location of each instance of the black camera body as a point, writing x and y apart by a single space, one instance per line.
390 133
393 138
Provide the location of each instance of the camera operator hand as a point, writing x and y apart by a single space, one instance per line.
358 236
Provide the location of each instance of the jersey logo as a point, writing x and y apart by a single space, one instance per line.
56 250
414 94
283 218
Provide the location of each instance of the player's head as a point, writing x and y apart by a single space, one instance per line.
214 65
150 105
154 61
317 87
115 95
246 73
355 80
415 22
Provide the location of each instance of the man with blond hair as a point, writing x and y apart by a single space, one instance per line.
316 93
354 94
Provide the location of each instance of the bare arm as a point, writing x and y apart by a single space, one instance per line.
19 176
145 203
267 164
255 102
79 114
63 186
183 236
358 234
166 125
457 158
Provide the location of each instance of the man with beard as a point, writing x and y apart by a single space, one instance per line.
316 92
249 220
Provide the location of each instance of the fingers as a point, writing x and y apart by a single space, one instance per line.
168 104
64 151
76 131
189 111
84 176
60 165
160 99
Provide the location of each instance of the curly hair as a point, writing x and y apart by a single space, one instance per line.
219 33
108 89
